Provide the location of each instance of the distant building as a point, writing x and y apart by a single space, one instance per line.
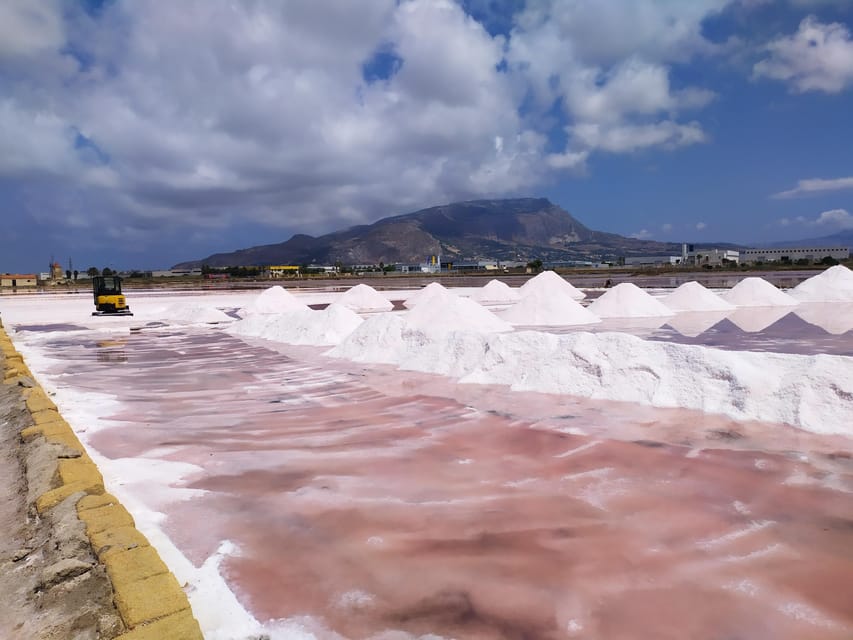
651 261
793 254
176 273
15 280
708 257
56 272
282 270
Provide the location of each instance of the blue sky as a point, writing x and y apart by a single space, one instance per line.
141 134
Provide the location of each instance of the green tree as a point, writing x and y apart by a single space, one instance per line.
76 273
535 265
68 274
107 271
829 261
92 272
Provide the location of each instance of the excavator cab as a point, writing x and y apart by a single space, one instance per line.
108 297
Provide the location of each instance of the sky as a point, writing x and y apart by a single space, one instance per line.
136 135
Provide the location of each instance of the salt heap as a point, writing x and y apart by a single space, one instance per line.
542 309
495 292
448 312
432 292
274 300
833 285
692 296
550 282
363 297
627 300
757 292
194 313
301 326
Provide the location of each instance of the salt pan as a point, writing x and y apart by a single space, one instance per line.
757 292
495 292
541 308
194 313
550 282
301 326
692 296
364 298
833 285
627 300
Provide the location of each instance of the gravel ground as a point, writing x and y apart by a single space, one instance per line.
51 585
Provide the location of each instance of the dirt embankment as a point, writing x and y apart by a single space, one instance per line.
51 583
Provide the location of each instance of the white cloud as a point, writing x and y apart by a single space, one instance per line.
642 234
666 227
839 218
818 57
29 28
701 226
816 186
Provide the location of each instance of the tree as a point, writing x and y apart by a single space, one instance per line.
107 271
829 261
76 273
92 272
382 267
535 265
68 274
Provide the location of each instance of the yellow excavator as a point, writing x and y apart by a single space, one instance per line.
109 300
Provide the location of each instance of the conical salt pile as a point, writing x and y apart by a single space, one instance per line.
433 291
274 300
541 309
363 297
833 285
692 296
446 313
495 292
627 300
550 282
757 292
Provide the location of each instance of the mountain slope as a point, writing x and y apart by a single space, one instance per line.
513 229
839 239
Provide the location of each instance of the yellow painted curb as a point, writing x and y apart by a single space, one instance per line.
178 626
149 599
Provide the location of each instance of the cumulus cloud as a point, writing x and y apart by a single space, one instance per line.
666 227
835 218
148 117
700 226
818 57
642 234
812 186
608 66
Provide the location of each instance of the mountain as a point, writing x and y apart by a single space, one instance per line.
840 239
515 229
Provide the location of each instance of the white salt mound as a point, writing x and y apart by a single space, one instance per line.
192 313
692 296
540 309
495 292
364 298
301 326
432 292
449 312
274 300
627 300
833 285
757 292
377 339
550 282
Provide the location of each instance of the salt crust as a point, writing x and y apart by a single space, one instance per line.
364 298
814 393
496 292
301 326
627 300
541 308
692 296
757 292
274 300
550 282
433 291
833 285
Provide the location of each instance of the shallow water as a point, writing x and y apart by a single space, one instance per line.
370 499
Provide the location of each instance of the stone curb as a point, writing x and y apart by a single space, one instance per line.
149 599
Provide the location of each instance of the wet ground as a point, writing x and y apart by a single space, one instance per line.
365 500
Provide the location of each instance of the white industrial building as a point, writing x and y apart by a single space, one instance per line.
793 254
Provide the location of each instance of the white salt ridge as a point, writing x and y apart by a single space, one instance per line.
495 292
692 296
274 300
433 291
814 393
449 312
757 292
833 285
550 282
194 313
301 326
541 309
627 300
364 298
